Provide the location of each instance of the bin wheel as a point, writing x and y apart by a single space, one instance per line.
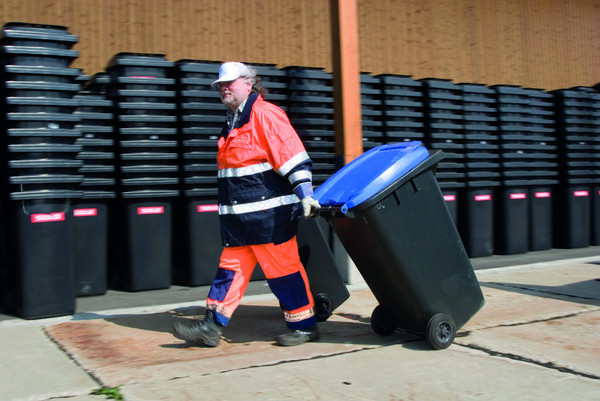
323 307
381 323
441 331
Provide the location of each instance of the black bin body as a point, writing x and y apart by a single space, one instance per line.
144 249
512 221
451 197
572 215
90 222
40 257
477 221
540 219
596 215
406 246
326 283
198 245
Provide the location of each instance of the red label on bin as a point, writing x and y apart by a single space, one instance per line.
85 212
449 198
479 198
151 210
581 193
518 196
47 217
542 194
207 208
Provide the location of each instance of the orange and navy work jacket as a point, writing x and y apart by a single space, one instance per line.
262 165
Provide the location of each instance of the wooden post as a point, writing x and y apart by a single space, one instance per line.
346 80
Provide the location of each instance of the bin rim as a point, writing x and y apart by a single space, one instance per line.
433 158
94 194
431 161
149 193
45 194
370 173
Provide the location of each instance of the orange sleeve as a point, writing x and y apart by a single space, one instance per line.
278 138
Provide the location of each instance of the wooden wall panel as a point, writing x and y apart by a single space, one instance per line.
536 43
498 51
258 31
545 44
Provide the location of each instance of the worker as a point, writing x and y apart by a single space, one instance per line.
265 186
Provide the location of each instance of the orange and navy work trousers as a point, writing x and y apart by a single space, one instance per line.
285 275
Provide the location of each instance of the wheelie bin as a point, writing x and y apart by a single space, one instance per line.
388 211
328 288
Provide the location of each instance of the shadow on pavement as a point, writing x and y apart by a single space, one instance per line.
258 323
583 292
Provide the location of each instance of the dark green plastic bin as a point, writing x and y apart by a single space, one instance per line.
404 243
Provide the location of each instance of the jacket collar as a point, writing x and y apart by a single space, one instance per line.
245 116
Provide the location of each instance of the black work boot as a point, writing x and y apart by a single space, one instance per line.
297 337
205 331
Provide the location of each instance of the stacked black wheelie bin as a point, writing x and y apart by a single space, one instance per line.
529 169
201 117
482 169
145 119
371 101
274 80
445 131
578 129
595 128
40 167
403 108
311 111
93 210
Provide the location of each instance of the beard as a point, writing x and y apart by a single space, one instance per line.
231 101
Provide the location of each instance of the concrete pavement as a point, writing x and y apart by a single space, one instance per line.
537 337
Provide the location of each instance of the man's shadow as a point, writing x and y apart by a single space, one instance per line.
259 323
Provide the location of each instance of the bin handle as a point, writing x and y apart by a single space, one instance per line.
328 211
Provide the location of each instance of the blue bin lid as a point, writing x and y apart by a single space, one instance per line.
370 173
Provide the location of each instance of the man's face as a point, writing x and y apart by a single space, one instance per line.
233 93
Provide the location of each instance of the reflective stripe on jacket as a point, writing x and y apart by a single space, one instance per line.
260 161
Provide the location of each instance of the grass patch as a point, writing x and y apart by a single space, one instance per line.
111 393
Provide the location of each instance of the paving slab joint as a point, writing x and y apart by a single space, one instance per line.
466 333
520 358
72 358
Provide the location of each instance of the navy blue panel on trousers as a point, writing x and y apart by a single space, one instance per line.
221 284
